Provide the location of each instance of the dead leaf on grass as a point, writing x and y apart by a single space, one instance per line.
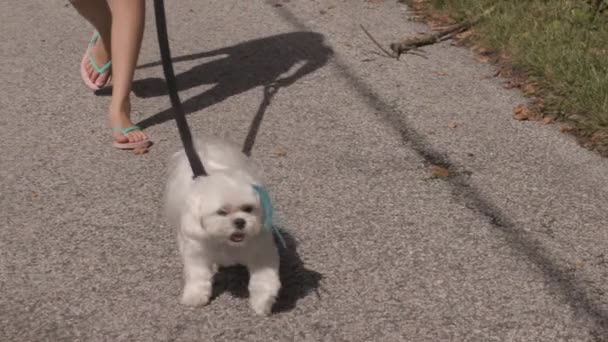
548 120
483 59
521 113
598 137
565 127
478 49
540 104
530 89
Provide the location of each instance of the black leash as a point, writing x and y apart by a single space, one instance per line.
180 117
182 124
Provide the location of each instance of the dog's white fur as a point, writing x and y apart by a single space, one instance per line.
204 211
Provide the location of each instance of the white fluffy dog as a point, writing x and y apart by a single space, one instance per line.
220 222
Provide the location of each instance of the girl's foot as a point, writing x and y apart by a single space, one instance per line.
125 134
96 64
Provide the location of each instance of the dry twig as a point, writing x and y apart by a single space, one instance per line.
386 52
424 39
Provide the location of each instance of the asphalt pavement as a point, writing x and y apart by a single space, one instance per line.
511 246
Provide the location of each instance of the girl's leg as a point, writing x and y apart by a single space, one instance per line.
127 32
98 14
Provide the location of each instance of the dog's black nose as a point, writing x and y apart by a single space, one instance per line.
239 223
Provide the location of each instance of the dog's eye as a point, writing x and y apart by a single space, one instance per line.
222 212
247 208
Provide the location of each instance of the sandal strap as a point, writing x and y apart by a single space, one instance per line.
98 69
125 131
95 37
102 69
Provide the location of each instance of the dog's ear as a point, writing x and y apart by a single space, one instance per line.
194 204
192 226
191 220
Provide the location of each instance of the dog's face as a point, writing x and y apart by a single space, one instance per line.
228 209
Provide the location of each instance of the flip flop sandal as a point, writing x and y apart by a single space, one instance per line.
131 145
88 59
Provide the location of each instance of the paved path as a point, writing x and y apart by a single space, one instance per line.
511 247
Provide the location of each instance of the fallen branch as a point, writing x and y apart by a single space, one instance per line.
424 39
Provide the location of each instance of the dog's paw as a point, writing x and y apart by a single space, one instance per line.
264 286
195 295
262 305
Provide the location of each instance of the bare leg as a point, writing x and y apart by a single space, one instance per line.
98 14
127 33
121 31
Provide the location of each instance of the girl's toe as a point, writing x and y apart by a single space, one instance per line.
100 79
119 138
134 136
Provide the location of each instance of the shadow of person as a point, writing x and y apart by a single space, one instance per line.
265 62
296 280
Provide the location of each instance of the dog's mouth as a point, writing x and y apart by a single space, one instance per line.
237 237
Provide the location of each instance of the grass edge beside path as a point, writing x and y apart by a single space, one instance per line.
555 51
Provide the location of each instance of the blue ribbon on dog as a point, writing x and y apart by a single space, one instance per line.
268 213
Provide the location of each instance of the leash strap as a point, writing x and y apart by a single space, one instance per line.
182 124
180 117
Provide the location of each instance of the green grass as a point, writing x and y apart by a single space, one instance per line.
561 44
